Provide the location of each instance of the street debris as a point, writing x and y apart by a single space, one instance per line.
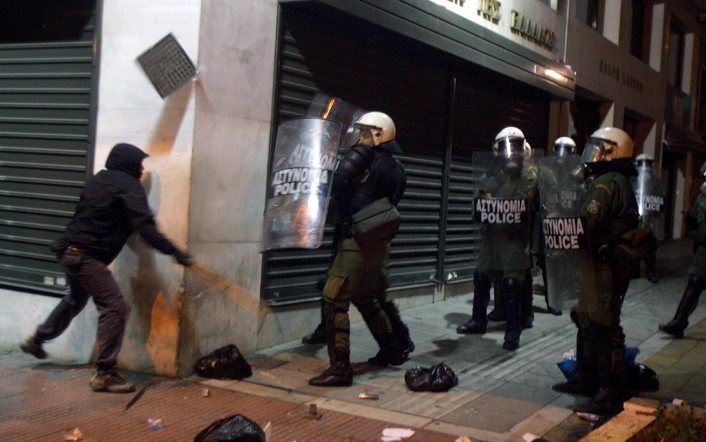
463 439
589 417
313 413
395 434
232 428
205 392
224 363
438 377
529 437
139 394
155 424
369 396
74 435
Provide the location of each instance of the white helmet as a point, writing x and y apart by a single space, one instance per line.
382 128
564 146
644 159
510 142
607 144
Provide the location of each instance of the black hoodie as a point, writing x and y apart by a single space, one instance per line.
113 205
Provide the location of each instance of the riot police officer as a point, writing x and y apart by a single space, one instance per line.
649 192
366 174
696 220
610 210
503 207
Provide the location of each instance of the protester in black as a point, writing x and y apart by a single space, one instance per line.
113 205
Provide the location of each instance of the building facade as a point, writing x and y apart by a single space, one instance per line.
451 73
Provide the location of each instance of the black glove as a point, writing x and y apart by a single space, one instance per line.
183 258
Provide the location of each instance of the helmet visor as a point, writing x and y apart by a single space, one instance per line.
597 150
509 147
563 149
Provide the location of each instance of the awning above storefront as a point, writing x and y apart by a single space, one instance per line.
683 139
440 28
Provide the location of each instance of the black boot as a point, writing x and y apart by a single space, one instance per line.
339 374
687 305
651 263
399 328
498 312
391 352
481 297
513 291
526 313
582 380
318 337
607 403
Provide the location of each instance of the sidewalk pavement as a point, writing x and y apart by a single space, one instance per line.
500 397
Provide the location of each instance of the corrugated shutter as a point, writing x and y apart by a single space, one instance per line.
483 105
348 58
46 85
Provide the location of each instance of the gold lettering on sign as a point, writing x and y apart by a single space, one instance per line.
489 10
531 30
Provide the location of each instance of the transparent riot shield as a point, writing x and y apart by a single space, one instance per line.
300 183
564 232
503 206
650 196
328 107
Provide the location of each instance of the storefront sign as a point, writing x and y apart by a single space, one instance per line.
504 18
612 71
531 30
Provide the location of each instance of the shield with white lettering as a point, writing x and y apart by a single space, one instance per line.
298 191
650 195
563 231
502 208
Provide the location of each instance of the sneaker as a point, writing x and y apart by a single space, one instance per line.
111 381
30 346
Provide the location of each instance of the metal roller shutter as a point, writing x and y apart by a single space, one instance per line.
321 50
46 87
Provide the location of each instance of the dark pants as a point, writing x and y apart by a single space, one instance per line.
89 277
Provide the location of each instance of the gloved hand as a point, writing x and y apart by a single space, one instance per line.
183 258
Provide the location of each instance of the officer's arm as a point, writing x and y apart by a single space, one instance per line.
597 209
351 167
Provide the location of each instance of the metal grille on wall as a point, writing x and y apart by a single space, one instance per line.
348 58
46 86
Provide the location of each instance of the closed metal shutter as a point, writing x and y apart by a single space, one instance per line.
46 86
322 50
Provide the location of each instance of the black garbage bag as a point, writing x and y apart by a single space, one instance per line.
439 377
418 378
232 428
224 363
641 378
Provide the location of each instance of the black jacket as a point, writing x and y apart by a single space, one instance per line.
113 205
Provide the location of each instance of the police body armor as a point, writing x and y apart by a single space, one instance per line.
650 196
566 245
305 158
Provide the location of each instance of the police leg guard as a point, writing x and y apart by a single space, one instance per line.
399 328
498 312
583 380
526 313
481 297
513 290
687 305
651 264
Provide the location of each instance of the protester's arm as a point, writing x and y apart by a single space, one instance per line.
142 222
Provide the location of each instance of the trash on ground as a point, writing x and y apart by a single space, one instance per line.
394 434
232 428
529 437
463 439
677 402
139 394
224 363
369 396
313 412
155 424
439 377
589 417
74 435
268 431
205 392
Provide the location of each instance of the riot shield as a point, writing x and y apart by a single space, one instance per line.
300 183
328 107
650 196
564 231
502 206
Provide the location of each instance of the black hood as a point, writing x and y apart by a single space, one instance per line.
126 158
621 165
391 147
